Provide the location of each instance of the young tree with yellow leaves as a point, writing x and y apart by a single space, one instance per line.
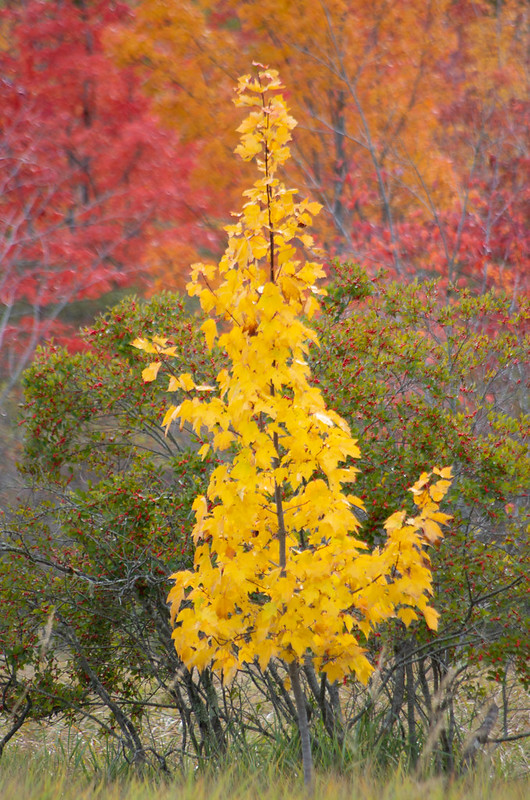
280 568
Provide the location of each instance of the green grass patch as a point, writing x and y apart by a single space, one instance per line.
50 777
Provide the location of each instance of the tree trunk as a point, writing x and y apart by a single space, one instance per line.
303 727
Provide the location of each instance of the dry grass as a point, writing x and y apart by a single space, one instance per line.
34 780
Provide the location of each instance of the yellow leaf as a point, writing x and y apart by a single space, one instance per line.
431 530
324 418
223 440
209 328
170 415
203 451
395 522
249 147
306 239
333 671
431 618
407 615
150 372
290 289
446 472
439 490
185 381
363 669
143 344
311 307
348 622
420 483
266 652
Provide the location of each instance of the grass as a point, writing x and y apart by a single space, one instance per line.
70 776
63 762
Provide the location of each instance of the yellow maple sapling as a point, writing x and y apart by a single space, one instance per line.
281 569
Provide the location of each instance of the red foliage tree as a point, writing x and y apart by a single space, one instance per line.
92 190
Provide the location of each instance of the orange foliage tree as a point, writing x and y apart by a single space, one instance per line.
412 119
